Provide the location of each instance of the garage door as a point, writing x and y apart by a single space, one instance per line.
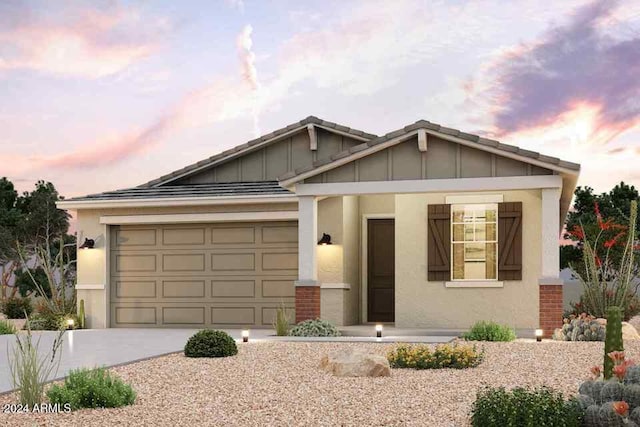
210 275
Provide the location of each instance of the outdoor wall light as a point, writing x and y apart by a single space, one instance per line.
326 239
245 335
539 333
88 244
378 331
70 323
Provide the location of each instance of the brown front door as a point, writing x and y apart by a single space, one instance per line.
381 270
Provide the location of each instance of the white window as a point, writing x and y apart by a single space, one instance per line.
474 242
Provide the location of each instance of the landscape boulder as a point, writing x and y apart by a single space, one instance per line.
351 363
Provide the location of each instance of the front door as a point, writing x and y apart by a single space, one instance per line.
381 270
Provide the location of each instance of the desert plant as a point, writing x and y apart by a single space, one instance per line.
524 407
6 327
54 319
31 370
606 282
210 343
614 401
281 321
81 317
442 356
580 328
38 323
16 308
314 328
489 331
613 339
91 388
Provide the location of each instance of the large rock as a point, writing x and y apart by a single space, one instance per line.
351 363
629 333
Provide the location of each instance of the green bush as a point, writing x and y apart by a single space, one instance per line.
7 328
49 321
314 328
210 343
15 308
92 388
523 407
443 356
281 321
489 331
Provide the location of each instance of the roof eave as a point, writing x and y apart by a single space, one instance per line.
174 201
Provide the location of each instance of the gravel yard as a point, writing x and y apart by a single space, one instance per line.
278 383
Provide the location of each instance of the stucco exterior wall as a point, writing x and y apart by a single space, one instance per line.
420 303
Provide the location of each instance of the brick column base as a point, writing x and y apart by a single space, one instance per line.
550 308
307 302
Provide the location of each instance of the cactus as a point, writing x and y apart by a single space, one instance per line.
631 395
584 401
635 416
609 417
613 338
586 388
632 375
581 328
596 388
611 391
592 416
81 314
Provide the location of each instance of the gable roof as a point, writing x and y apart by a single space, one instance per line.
260 142
449 134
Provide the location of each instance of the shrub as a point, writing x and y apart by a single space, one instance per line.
92 388
523 407
37 323
443 356
31 369
15 308
580 328
489 331
210 343
281 321
6 327
314 328
54 320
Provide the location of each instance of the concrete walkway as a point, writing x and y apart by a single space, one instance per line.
109 347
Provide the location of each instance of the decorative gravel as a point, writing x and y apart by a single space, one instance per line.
279 383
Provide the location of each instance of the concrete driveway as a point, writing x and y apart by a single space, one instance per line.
106 347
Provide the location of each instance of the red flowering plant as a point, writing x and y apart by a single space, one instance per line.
608 271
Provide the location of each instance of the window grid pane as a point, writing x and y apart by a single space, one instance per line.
474 242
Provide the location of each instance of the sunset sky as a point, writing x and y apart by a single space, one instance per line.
96 96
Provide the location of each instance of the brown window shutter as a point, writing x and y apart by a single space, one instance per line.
439 242
510 241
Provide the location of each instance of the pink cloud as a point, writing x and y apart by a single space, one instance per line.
571 69
75 40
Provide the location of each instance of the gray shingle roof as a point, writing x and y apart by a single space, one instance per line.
193 190
424 124
240 148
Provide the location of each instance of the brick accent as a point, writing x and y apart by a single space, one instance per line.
550 308
307 302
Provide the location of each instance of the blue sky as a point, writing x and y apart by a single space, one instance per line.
102 95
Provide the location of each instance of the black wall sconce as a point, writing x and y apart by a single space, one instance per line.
326 239
88 244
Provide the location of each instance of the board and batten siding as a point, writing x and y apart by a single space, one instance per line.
274 160
443 159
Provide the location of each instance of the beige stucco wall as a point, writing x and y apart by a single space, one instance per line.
420 303
93 264
338 263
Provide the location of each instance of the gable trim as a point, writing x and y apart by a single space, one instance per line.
365 150
251 146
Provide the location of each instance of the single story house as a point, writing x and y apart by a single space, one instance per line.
424 227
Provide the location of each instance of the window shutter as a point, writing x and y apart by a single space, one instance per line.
439 242
510 241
